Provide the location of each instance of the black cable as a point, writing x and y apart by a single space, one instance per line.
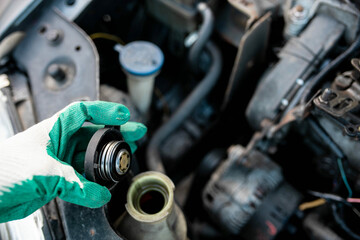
342 224
315 81
325 138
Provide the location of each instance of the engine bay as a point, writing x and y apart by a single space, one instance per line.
252 109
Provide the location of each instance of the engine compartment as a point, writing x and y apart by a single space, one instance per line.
252 110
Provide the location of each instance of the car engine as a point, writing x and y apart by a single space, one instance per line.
252 109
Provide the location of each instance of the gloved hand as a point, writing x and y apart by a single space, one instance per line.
38 164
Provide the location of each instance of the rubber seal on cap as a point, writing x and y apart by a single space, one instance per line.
141 58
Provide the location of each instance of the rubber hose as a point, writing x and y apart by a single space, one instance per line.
342 224
205 31
153 157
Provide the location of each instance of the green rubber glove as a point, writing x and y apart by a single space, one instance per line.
46 160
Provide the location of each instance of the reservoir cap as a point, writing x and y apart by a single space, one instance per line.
141 58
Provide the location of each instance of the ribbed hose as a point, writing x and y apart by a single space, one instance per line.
205 31
153 157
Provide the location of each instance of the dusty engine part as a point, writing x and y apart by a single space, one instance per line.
238 17
151 212
179 15
279 86
337 109
297 13
239 187
15 13
61 62
249 54
272 215
107 157
87 223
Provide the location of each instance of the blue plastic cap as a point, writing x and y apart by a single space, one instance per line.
141 58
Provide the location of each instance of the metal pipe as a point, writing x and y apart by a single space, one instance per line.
200 92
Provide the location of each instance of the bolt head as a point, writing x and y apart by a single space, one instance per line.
299 8
53 35
298 12
327 96
343 82
284 102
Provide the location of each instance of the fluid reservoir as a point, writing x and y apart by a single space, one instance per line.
141 61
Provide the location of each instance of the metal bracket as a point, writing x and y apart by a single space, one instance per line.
338 105
61 62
